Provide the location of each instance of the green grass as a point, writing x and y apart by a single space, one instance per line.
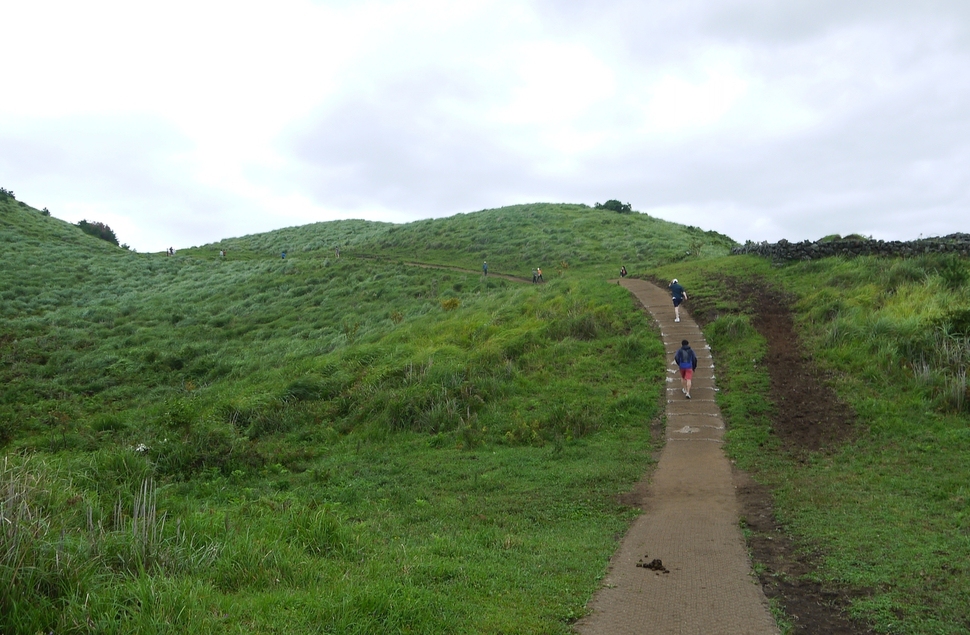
889 512
559 238
252 444
335 445
381 538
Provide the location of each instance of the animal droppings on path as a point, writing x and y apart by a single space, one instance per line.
654 565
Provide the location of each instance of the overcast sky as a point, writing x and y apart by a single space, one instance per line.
179 123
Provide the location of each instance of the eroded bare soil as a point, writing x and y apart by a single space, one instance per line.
809 418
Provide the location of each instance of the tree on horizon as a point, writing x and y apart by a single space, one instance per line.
99 230
615 206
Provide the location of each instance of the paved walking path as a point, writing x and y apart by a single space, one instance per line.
689 520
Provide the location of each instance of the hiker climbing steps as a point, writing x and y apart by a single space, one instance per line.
690 514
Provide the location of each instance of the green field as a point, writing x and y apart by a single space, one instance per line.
339 445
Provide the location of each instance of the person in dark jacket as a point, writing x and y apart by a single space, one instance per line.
679 295
686 361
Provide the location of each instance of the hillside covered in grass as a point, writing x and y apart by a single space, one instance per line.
388 441
513 240
885 511
250 443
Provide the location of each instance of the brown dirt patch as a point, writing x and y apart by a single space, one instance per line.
809 418
809 415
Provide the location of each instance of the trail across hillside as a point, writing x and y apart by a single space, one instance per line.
428 265
491 274
683 566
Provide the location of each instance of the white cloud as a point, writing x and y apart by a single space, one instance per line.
186 122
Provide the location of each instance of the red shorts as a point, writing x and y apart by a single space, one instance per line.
687 373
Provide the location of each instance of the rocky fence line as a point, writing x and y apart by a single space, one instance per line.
808 250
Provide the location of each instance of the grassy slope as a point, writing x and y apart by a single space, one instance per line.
890 512
345 445
512 239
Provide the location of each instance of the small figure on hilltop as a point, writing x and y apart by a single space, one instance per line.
171 251
679 295
485 268
336 251
535 276
539 269
222 253
283 255
623 272
686 361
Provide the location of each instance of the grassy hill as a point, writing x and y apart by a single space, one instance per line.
513 240
206 444
360 444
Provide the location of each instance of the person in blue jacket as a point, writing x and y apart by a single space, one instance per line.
485 268
679 295
686 361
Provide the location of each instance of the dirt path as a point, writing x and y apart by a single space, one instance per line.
703 582
428 265
491 274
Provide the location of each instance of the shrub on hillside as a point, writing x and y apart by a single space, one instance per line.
99 230
6 194
615 206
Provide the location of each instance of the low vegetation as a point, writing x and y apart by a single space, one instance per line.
561 239
197 443
349 442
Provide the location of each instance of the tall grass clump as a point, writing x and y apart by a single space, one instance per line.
59 547
41 571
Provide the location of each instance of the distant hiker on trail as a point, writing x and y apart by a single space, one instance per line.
171 251
485 268
336 251
686 361
539 269
679 295
283 255
535 276
623 272
222 253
